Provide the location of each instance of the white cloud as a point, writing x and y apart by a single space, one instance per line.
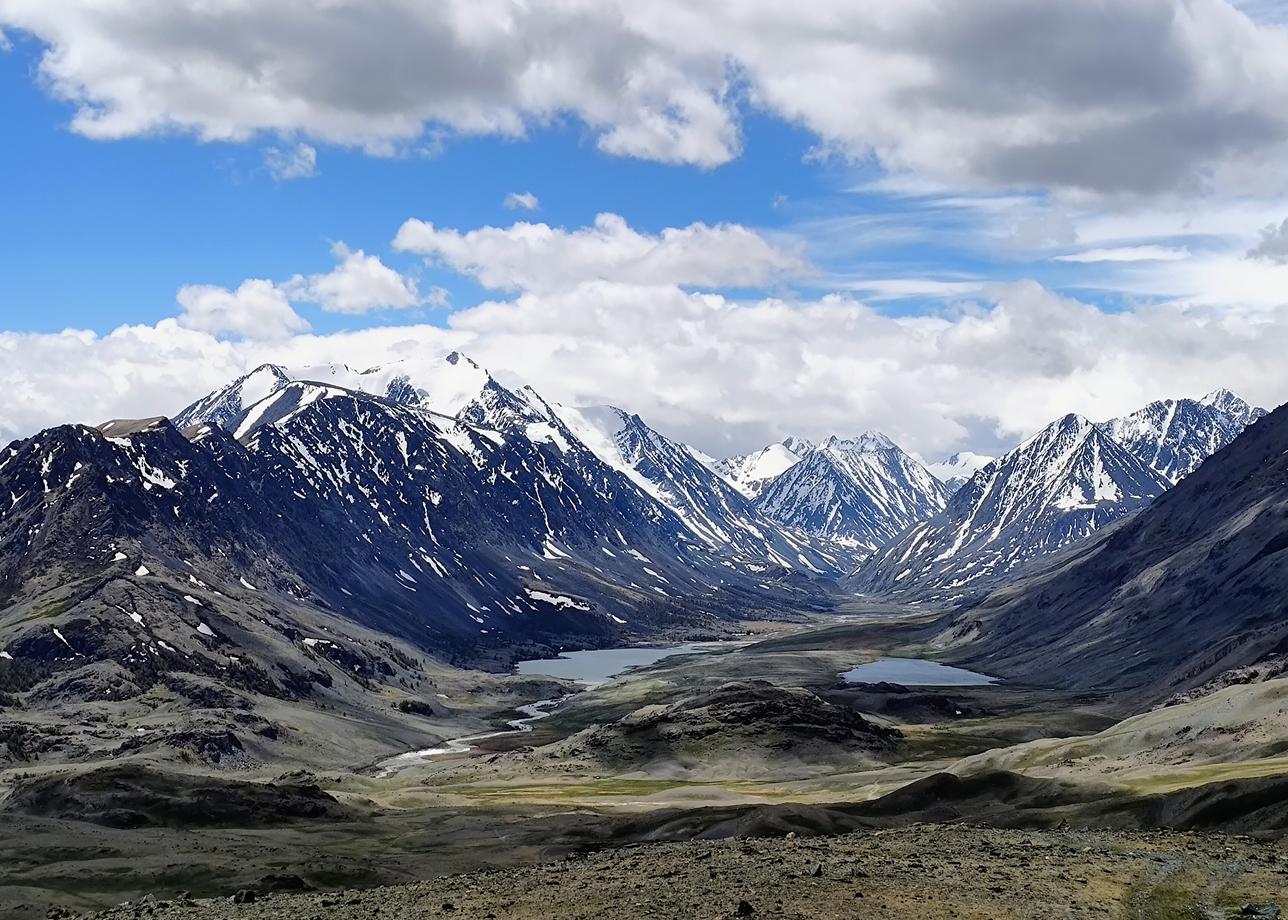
1273 245
538 257
701 365
525 200
134 372
360 283
607 314
298 162
1150 97
725 374
258 309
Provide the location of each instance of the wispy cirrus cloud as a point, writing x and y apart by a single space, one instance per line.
525 201
1126 254
298 162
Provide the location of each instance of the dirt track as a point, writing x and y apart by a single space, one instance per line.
918 872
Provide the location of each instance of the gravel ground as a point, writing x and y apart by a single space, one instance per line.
919 872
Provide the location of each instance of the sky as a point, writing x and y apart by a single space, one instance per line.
949 221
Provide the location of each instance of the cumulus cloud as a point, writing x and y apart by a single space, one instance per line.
298 162
609 314
379 74
538 257
1140 98
1273 246
525 200
257 309
133 372
359 283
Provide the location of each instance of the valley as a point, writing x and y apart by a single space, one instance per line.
747 739
333 629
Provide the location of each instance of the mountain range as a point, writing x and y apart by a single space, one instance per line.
306 515
1058 487
303 514
1173 436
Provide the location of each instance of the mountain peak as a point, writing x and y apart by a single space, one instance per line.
1069 426
1060 485
456 357
1233 404
798 446
957 470
1220 396
867 442
1173 436
752 473
859 491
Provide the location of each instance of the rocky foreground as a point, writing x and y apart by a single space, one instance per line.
918 872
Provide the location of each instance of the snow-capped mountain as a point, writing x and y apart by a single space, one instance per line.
1233 405
751 473
673 474
958 469
679 477
1056 488
452 385
225 406
1189 590
256 539
1173 436
860 492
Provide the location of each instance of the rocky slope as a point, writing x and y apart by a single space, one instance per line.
737 729
966 872
680 478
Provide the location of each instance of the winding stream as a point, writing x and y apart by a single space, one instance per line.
533 712
589 668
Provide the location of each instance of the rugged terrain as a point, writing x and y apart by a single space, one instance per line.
917 872
1188 593
265 649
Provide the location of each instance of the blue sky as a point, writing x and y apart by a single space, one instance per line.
140 217
952 223
101 233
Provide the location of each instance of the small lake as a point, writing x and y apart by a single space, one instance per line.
914 672
598 666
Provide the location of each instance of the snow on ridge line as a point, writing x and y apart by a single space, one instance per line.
557 600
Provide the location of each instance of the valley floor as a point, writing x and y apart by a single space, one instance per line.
654 794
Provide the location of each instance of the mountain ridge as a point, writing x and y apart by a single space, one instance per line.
1188 589
1058 486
